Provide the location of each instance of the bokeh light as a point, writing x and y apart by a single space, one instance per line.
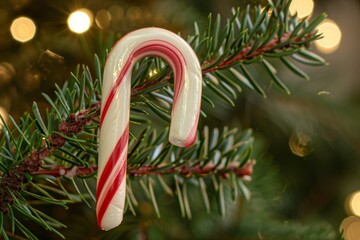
7 72
4 115
350 227
103 18
352 204
23 29
303 8
80 21
331 37
300 144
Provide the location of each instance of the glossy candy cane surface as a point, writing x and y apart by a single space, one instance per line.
115 110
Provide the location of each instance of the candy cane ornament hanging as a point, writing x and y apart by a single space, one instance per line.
115 110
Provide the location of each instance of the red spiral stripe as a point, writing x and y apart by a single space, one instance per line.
157 48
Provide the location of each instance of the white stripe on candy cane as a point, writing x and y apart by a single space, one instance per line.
115 110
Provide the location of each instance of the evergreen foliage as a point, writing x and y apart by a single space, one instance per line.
51 158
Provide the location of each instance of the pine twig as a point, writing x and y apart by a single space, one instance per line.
12 181
242 55
185 171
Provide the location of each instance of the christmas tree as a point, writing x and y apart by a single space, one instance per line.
223 187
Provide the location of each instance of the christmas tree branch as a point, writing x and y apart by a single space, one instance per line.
11 182
63 144
148 170
272 47
225 55
248 54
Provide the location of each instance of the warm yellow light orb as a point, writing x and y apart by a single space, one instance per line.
301 144
331 36
303 8
350 227
354 203
4 115
80 21
23 29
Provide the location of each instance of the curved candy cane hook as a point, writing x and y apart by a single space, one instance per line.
115 110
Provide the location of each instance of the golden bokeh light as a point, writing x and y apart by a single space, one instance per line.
331 37
353 203
300 144
23 29
80 21
350 227
103 18
7 72
4 114
303 8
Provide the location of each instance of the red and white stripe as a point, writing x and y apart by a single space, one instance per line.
115 110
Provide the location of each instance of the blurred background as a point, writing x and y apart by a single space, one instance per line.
308 141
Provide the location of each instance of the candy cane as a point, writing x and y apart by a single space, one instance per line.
115 110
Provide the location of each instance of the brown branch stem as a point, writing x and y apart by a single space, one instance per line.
185 171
